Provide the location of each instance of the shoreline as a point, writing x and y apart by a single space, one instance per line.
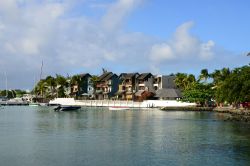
201 109
239 115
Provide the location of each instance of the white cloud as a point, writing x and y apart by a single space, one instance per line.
182 47
117 12
183 42
206 50
161 52
32 31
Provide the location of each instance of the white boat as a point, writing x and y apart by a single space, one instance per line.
43 104
119 108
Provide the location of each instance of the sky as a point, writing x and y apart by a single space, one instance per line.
158 36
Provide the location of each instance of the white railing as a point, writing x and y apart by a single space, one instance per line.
108 103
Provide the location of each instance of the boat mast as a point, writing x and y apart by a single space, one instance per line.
6 84
41 72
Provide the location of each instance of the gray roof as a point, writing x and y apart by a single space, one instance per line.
168 82
168 93
127 75
106 76
85 75
144 75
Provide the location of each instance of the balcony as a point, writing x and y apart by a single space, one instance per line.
109 82
101 85
128 85
141 84
156 84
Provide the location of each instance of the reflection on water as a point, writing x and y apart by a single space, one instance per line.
97 136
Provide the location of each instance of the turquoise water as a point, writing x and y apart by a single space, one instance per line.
38 136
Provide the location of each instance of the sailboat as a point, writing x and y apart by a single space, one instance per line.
13 101
35 103
4 99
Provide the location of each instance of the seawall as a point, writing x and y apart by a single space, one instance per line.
111 103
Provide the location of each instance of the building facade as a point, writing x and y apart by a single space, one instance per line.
107 86
165 88
127 86
82 87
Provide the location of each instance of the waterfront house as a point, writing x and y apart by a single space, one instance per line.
82 87
145 82
107 86
165 88
145 88
127 86
164 81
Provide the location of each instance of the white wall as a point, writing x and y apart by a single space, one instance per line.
107 103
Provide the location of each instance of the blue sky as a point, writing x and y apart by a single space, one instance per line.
158 36
224 21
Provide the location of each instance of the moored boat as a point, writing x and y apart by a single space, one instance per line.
67 108
119 108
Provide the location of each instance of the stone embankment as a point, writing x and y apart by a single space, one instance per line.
188 108
235 114
242 115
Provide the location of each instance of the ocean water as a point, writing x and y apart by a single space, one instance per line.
38 136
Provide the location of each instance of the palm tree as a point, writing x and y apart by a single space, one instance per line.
184 81
179 80
216 76
40 88
76 81
219 76
204 75
61 83
51 83
225 72
189 81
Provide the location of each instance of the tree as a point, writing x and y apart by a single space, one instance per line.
19 93
235 88
219 77
184 81
40 88
51 83
204 75
9 94
199 93
216 76
62 84
179 80
76 81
